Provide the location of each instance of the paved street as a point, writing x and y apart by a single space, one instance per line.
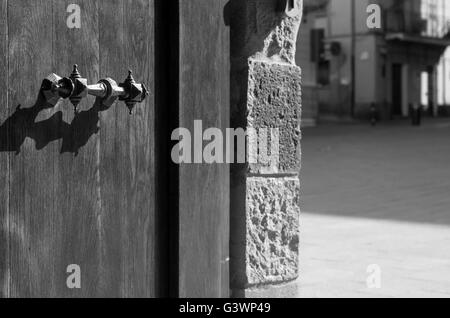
376 196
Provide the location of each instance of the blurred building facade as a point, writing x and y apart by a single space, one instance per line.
396 66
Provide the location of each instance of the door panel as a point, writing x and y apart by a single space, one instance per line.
34 225
204 189
4 162
81 187
128 148
76 179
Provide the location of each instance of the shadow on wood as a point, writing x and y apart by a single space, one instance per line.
83 126
21 124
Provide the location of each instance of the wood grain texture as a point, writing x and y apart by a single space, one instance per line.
32 209
128 151
52 193
79 231
204 189
82 186
4 162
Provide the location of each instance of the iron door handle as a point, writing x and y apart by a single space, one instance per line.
75 88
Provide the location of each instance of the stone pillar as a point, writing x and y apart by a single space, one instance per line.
265 93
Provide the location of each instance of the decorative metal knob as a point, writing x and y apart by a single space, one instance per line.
80 87
134 92
74 88
55 87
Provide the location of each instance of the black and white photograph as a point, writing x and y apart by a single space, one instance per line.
227 155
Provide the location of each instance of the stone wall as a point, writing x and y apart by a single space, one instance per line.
265 93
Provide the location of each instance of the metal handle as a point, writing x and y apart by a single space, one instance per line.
75 88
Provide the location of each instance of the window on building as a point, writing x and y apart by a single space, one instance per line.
323 73
318 56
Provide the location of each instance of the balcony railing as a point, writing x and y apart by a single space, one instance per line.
416 24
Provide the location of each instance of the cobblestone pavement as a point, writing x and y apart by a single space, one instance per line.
376 196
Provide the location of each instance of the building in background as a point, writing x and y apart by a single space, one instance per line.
396 67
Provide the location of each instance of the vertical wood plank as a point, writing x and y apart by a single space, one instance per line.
53 202
82 186
4 145
128 150
78 220
204 189
32 212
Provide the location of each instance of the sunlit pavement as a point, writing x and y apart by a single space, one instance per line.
376 196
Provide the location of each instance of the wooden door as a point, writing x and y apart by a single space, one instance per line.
98 189
77 189
204 77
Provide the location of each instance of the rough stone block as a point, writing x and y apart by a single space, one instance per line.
258 30
272 230
274 101
286 290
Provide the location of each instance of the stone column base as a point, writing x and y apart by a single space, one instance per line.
285 290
